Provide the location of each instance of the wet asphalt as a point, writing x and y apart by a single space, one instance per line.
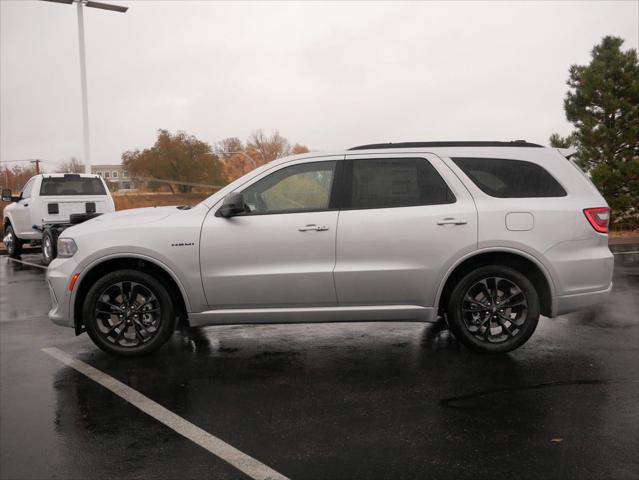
361 401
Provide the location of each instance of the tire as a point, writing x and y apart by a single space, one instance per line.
13 244
49 246
148 323
493 309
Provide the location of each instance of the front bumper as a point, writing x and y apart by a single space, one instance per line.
59 275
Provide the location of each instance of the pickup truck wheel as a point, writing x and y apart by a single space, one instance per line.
493 309
49 247
11 242
128 313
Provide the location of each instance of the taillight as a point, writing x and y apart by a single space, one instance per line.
598 218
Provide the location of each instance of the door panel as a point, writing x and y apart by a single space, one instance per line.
276 255
399 255
265 261
21 214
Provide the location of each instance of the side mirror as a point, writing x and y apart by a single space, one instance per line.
233 205
6 195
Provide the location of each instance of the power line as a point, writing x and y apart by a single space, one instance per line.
26 160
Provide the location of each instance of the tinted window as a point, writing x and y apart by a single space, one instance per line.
510 178
71 185
396 182
297 188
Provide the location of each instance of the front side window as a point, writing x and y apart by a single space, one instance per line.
298 188
396 182
72 185
503 178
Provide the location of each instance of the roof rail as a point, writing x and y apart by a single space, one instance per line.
513 143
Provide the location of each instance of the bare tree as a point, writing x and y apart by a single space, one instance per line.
73 165
268 147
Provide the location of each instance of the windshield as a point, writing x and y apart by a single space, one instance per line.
72 185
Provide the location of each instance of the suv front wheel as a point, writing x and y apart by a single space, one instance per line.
493 309
128 313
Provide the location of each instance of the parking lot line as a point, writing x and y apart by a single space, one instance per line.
27 263
243 462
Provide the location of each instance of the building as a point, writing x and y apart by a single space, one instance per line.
115 175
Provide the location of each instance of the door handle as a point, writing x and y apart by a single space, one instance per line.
25 204
313 228
452 221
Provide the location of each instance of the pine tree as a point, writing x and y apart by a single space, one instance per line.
603 105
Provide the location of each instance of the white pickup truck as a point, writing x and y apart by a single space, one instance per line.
47 205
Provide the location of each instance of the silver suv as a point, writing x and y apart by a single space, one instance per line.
489 235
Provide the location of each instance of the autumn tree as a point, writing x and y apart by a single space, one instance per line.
16 177
603 105
176 156
297 149
268 147
237 161
240 158
73 165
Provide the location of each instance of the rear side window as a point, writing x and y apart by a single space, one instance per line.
71 185
395 182
504 178
26 191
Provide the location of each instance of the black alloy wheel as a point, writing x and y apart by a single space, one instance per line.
493 309
129 313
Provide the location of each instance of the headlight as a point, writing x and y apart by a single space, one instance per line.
66 247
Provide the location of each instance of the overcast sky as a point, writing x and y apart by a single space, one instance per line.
328 76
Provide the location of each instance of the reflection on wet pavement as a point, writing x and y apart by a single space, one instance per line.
367 400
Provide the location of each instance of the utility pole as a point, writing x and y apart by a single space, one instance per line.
37 164
83 67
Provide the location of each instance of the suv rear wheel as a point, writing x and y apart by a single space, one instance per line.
493 309
128 313
11 242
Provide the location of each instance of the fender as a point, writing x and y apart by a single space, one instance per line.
113 256
514 251
7 218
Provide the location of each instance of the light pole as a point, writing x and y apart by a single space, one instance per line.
83 67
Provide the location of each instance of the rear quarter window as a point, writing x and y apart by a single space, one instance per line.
504 178
71 185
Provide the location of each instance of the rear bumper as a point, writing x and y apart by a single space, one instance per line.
578 301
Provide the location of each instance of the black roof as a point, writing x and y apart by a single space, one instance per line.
514 143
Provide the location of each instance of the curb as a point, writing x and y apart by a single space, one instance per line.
623 240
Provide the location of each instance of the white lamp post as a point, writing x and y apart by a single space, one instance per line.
83 67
